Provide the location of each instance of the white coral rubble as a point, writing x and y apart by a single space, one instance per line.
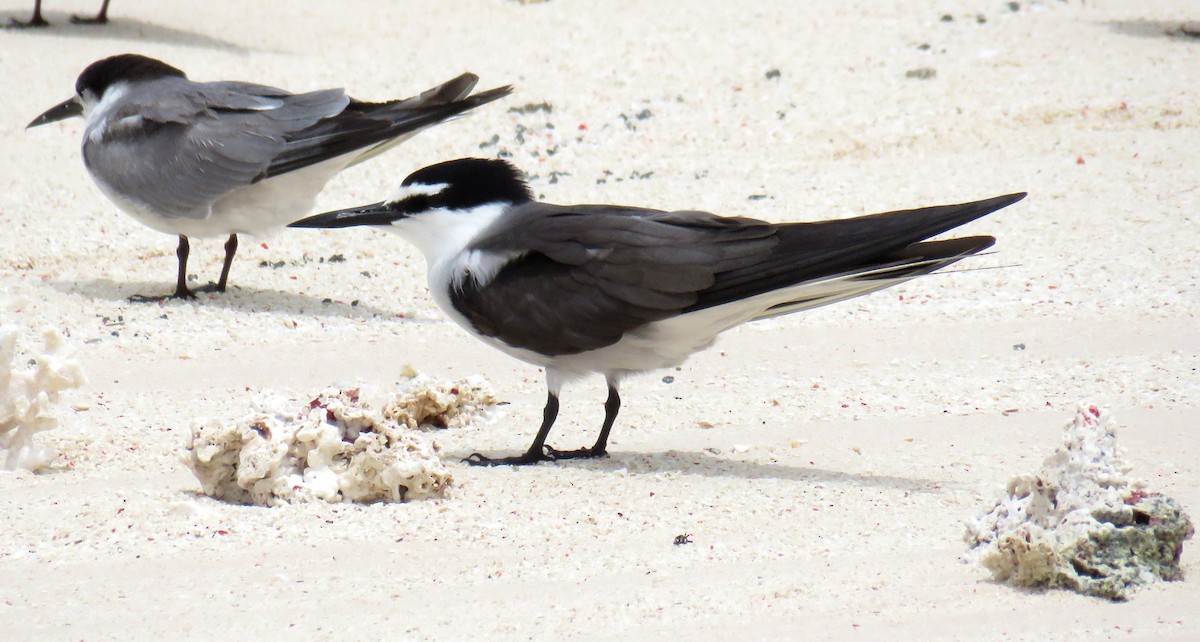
424 403
28 395
337 449
1081 522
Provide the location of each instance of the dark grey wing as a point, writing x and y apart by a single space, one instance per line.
822 249
177 147
363 125
586 275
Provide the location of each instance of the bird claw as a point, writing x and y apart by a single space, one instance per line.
579 453
211 287
13 23
478 459
549 453
159 298
83 20
184 293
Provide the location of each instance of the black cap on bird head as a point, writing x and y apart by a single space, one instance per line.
470 182
102 74
98 77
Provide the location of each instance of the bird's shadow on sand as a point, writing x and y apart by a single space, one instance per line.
706 465
128 29
238 298
1179 30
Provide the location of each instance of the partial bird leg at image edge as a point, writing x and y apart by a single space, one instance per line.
37 20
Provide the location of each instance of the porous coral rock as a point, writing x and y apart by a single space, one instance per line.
425 404
1081 522
336 449
28 395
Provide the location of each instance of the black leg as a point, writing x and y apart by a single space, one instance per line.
231 246
230 249
612 405
181 253
181 289
36 21
100 19
537 450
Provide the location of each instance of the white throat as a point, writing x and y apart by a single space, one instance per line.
444 237
97 113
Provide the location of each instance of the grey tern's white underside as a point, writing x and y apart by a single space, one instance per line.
582 289
203 159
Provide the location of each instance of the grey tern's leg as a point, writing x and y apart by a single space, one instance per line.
36 21
181 289
537 450
611 406
231 246
230 249
100 19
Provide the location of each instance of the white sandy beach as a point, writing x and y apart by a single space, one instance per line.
823 463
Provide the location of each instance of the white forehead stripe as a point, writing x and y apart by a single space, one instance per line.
417 189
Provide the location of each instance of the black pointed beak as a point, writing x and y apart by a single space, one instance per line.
62 111
373 214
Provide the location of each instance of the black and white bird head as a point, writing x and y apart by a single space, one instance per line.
440 207
461 185
458 187
106 79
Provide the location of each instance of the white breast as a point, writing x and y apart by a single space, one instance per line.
443 237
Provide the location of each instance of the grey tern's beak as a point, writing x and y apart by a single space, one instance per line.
66 109
374 214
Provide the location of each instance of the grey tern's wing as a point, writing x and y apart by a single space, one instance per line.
583 276
175 146
375 127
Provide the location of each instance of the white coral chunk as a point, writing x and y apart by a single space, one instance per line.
337 449
1081 522
28 395
424 403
